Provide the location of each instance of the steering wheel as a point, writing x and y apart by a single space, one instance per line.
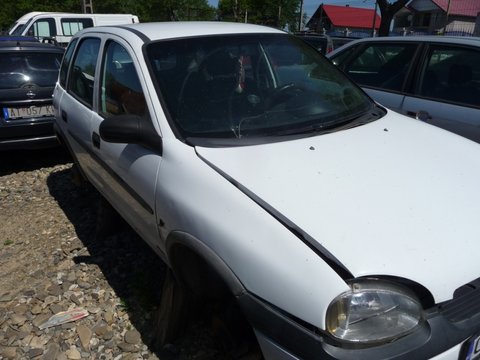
283 93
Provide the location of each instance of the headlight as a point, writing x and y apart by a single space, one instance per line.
373 311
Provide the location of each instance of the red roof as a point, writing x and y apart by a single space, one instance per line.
459 7
351 17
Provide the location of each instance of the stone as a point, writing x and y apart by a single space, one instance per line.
6 297
71 277
132 337
126 347
50 300
56 308
18 320
52 352
36 309
29 293
75 299
9 352
85 334
54 290
20 309
100 329
34 352
38 341
73 353
40 319
108 335
108 316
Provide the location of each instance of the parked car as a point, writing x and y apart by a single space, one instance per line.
62 26
28 73
260 173
323 43
432 78
339 41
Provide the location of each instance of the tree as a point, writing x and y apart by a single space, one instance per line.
276 13
147 10
388 11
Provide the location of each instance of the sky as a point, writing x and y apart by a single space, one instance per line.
309 6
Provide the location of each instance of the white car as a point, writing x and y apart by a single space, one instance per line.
255 169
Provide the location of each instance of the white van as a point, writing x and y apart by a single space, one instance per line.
62 26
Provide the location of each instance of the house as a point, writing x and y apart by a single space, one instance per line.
456 17
341 19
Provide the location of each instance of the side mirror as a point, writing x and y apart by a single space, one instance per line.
131 129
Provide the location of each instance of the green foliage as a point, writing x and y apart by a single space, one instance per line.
282 14
276 13
146 10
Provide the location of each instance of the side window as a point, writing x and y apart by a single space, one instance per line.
66 63
82 75
43 28
340 58
121 92
452 74
383 66
71 26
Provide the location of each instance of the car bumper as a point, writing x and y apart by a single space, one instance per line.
450 330
27 135
271 351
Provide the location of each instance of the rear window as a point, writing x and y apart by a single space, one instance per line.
18 69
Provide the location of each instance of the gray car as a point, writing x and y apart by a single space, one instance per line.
431 78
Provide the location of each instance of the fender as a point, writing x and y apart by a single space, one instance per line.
178 239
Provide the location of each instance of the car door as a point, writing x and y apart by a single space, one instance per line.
447 93
75 110
126 173
381 69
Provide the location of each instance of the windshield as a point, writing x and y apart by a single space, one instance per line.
17 29
18 69
254 85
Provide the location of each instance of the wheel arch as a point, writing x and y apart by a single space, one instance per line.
193 262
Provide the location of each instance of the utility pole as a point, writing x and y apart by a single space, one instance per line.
300 21
374 18
446 18
88 6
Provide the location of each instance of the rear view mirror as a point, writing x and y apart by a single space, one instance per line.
131 129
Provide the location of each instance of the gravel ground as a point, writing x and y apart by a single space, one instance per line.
51 261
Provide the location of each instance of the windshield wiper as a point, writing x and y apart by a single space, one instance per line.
331 126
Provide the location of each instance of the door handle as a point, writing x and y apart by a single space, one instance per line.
96 140
64 116
421 115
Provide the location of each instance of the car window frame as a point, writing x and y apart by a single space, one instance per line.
71 67
421 68
406 87
72 45
99 78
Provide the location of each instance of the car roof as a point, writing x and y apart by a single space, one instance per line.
467 40
18 38
178 29
459 40
28 45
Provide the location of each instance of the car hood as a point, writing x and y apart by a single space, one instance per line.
395 197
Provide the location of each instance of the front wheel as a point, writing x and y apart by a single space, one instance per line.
176 304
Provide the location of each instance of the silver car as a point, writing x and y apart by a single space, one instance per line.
431 78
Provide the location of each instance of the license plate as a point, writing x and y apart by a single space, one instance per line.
472 348
28 112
